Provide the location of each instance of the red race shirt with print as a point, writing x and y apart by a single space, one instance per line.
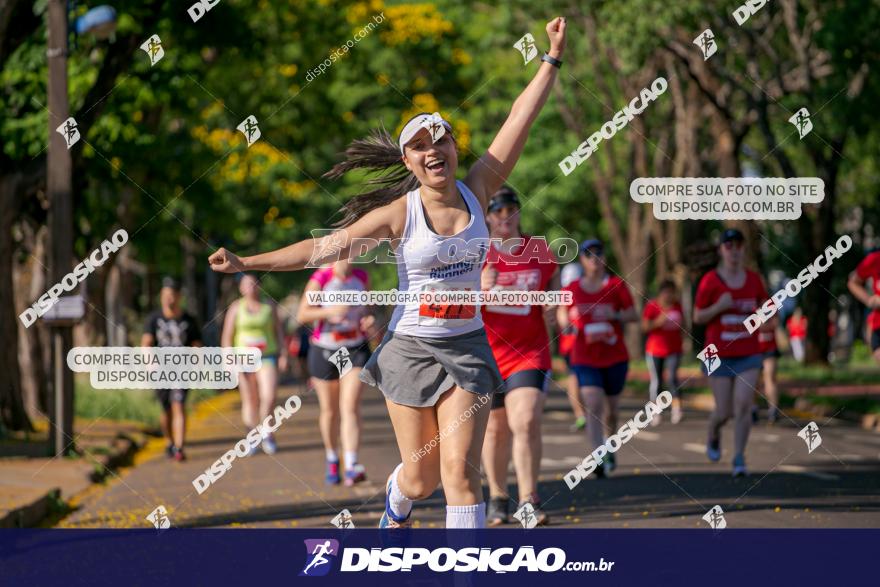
517 334
869 268
726 330
599 341
666 340
767 340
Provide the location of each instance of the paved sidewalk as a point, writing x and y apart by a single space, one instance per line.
33 485
663 478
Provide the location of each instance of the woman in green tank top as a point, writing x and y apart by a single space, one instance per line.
250 322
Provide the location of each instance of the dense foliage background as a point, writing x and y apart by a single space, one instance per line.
161 157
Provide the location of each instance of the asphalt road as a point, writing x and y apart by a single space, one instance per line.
663 479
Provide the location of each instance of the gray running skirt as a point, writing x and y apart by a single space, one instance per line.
416 371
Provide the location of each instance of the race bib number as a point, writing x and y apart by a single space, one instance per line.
600 332
340 335
527 280
259 342
442 314
732 327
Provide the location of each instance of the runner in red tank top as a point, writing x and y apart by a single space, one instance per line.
601 304
725 297
869 269
519 341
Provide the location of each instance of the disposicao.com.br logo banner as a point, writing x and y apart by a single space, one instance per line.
291 556
322 552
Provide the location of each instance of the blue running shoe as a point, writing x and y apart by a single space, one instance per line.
389 520
739 466
713 450
332 477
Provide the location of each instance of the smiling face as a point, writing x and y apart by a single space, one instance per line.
433 164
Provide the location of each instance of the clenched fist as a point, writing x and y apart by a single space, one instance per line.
223 261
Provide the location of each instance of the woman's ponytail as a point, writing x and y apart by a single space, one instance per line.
377 153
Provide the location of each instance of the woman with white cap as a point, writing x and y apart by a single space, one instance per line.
434 366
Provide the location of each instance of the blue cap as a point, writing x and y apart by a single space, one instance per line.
591 243
731 234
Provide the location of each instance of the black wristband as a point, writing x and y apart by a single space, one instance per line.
552 61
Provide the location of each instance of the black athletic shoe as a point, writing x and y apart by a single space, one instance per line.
497 513
754 414
612 461
169 451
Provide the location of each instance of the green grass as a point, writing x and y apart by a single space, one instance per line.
138 405
860 369
860 405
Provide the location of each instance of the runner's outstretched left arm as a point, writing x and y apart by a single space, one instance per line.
314 252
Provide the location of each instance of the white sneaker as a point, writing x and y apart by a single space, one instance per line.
269 446
676 414
655 421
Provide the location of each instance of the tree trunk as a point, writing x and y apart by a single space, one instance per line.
29 280
12 411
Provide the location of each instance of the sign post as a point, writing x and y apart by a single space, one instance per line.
58 183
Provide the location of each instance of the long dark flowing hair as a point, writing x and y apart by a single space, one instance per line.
380 154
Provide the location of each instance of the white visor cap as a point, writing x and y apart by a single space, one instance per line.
434 124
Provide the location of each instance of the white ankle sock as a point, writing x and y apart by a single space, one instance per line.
466 516
400 504
351 458
331 455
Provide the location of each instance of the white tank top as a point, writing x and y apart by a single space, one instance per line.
429 261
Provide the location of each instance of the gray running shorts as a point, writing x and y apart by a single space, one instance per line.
416 371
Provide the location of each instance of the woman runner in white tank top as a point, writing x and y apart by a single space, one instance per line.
435 364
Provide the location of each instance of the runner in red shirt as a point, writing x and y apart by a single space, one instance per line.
869 269
601 304
521 346
726 296
663 322
570 273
